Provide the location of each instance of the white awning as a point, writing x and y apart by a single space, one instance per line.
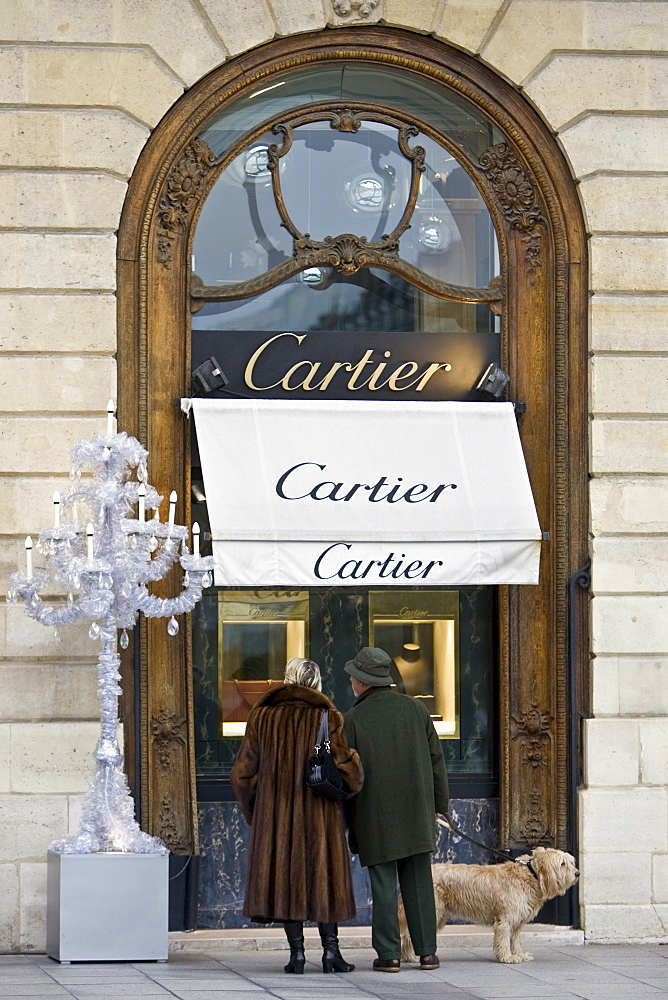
345 493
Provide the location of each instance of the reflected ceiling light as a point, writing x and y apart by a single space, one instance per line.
315 277
257 163
366 193
434 235
493 380
265 89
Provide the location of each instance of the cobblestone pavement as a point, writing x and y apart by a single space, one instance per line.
592 972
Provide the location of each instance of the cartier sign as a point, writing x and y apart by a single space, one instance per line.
332 492
326 365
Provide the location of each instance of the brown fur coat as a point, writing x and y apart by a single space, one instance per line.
298 866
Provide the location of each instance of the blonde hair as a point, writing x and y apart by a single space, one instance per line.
306 672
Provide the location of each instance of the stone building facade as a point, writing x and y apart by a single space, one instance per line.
84 84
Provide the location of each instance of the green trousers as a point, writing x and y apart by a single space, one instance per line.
414 876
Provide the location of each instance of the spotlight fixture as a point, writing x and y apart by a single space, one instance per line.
493 380
365 193
198 492
208 377
257 163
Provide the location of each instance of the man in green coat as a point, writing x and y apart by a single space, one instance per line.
392 821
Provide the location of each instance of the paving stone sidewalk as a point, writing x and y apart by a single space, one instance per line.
592 972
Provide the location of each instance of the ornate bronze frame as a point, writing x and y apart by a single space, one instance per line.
533 201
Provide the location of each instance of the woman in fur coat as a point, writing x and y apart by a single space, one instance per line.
298 865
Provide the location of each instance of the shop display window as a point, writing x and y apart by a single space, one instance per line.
420 631
258 632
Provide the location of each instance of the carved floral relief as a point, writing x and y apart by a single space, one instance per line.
516 196
169 734
181 194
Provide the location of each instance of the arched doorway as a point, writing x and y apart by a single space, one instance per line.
523 229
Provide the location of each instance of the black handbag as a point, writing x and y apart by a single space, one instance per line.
322 775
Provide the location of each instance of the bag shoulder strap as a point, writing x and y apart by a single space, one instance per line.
323 732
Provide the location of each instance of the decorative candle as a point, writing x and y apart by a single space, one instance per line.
90 531
172 510
56 509
142 502
29 557
111 409
196 540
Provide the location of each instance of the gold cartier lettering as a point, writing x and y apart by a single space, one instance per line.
357 370
396 375
405 376
431 370
285 381
248 374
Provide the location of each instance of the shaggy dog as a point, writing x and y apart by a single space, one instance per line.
503 896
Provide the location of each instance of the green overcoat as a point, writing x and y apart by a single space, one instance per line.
405 782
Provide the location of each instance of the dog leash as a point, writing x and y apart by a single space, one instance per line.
446 822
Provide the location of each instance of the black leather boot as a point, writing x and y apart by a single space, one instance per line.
332 959
294 930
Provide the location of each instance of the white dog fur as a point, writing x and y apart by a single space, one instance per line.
504 896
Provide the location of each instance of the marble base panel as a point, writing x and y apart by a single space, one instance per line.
224 837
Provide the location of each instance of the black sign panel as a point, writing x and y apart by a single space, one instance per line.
366 366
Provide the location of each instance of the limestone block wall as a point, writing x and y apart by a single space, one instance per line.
82 84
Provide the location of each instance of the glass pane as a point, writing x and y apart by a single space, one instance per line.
448 112
452 236
239 233
335 183
346 182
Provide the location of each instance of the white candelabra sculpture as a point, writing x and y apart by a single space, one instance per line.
106 562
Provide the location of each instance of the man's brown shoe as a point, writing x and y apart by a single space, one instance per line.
387 965
428 962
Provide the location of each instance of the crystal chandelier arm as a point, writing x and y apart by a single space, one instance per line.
161 607
48 614
160 564
197 569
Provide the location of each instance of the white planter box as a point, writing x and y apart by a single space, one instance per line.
108 907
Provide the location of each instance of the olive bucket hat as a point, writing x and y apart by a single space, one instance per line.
371 666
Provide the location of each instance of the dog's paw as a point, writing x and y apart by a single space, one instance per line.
524 956
509 959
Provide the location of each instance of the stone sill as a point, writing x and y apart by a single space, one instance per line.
212 942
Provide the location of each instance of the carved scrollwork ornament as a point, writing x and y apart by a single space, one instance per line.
516 196
181 193
348 8
346 120
534 828
167 828
169 734
532 728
